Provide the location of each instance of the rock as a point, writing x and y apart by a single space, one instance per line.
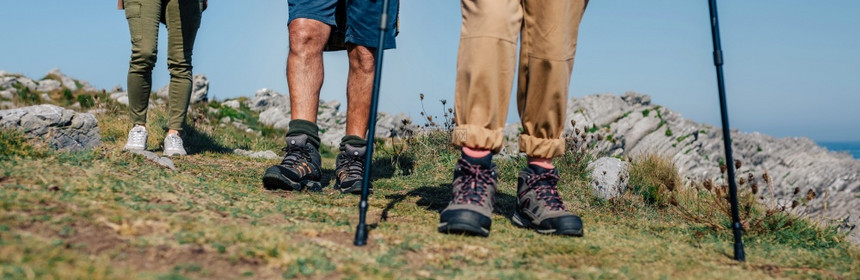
266 98
162 161
231 104
6 105
121 97
226 120
45 97
8 94
3 73
275 117
261 154
62 129
48 85
199 89
67 82
116 88
636 126
609 177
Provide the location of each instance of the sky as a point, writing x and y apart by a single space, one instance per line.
792 68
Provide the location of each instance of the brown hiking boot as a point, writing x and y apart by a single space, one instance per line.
539 206
474 190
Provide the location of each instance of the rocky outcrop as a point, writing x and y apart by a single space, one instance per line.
199 89
59 128
629 125
274 108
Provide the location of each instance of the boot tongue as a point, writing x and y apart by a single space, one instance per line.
354 150
298 140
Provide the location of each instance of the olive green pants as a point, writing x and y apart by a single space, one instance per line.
182 18
487 62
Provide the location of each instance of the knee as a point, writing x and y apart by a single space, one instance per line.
144 58
181 71
307 37
361 58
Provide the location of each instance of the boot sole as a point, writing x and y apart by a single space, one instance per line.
517 220
355 189
464 222
277 181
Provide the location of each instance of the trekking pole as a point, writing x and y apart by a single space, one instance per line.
727 137
361 230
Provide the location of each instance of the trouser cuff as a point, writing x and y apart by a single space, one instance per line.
477 137
541 147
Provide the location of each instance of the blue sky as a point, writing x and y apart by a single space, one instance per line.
792 67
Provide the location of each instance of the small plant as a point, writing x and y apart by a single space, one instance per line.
86 101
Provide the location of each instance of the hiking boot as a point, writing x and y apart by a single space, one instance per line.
300 168
136 139
349 169
474 190
539 205
173 145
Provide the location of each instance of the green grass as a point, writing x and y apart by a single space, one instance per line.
105 214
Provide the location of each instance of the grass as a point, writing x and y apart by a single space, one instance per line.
105 214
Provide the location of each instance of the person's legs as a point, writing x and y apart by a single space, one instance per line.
359 85
305 67
546 59
361 37
309 27
349 169
485 70
182 19
143 17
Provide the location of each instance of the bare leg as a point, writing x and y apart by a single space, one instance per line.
359 87
305 67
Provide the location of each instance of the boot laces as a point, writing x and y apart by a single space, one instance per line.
354 166
546 187
474 182
294 155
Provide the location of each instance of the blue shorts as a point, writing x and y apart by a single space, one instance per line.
361 18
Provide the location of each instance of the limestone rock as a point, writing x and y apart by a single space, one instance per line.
609 177
8 94
62 129
260 154
162 161
199 89
48 85
231 104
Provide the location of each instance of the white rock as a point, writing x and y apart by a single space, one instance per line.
609 177
231 104
48 85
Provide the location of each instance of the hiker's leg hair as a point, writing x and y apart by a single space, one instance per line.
305 66
359 88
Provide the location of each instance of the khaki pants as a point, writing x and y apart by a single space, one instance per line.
486 65
182 18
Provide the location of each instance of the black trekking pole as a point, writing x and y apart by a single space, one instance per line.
361 230
727 137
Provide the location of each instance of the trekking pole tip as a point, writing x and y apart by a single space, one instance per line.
360 235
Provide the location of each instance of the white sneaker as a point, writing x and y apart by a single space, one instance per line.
136 139
173 145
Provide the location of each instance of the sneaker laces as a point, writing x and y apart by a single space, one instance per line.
137 135
546 187
175 140
474 183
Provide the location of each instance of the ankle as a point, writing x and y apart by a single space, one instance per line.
475 153
545 163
